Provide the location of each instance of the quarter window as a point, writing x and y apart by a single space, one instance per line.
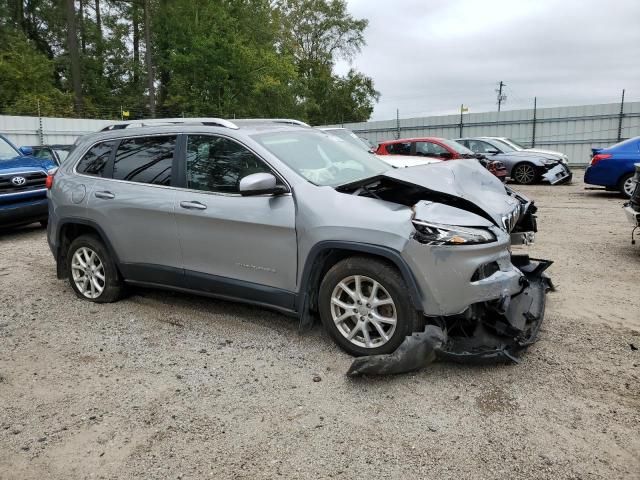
95 160
217 164
145 160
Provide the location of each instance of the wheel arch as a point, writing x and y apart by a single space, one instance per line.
326 254
70 229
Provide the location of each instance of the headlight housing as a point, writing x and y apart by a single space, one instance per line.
440 234
550 161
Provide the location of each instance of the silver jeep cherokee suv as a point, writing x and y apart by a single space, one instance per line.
274 213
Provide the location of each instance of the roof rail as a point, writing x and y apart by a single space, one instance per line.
289 121
149 122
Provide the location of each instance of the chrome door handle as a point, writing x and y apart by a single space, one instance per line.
193 205
105 195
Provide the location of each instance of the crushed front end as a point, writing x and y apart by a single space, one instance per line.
481 302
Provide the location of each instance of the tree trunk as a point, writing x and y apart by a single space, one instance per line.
99 25
83 40
18 15
135 20
74 55
149 61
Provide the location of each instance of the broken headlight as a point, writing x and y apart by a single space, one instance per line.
439 234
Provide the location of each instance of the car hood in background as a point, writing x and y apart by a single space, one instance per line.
551 153
530 155
403 161
466 179
20 164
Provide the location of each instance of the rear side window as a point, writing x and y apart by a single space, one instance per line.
145 160
94 161
216 164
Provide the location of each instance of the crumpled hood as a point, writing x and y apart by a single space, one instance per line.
20 164
466 179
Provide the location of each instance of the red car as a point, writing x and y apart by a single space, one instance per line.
439 148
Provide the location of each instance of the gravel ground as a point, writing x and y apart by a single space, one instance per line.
164 385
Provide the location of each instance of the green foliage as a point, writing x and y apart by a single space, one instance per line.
27 77
229 58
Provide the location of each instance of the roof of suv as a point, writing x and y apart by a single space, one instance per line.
175 125
204 121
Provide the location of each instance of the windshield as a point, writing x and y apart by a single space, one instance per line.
453 145
502 145
322 159
350 137
7 152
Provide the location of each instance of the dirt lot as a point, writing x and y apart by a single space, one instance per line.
174 386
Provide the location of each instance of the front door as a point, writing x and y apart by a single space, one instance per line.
233 245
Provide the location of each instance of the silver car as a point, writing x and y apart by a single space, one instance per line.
290 218
523 166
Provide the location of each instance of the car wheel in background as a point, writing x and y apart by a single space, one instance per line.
524 173
626 185
92 272
365 306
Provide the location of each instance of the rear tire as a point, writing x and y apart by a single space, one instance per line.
367 300
525 173
626 186
93 275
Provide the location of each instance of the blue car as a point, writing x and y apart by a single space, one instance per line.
613 167
23 191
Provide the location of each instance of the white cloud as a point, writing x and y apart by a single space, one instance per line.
429 56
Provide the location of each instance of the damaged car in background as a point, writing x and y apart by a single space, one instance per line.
402 265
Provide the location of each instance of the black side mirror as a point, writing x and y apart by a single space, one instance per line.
493 152
446 155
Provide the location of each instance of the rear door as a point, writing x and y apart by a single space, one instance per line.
133 204
231 244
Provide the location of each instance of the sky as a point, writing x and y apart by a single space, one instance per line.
427 57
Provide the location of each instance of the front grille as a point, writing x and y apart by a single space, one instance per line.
510 221
635 196
32 181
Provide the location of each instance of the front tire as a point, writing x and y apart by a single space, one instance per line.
626 185
92 272
525 173
365 306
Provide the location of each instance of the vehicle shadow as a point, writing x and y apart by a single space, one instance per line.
16 233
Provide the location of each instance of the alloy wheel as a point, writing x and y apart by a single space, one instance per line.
525 174
629 186
363 311
88 272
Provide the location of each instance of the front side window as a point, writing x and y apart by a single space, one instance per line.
402 148
145 159
481 147
217 164
322 159
95 160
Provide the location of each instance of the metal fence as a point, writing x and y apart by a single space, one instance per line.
44 130
571 130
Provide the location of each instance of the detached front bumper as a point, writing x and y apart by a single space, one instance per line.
632 215
486 332
559 173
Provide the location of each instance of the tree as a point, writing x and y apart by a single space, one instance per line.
148 58
318 33
74 55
